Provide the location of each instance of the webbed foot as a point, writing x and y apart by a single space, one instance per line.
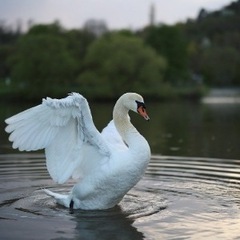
71 207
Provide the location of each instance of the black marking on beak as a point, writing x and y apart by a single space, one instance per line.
141 109
140 104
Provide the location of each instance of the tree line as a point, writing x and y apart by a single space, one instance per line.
158 61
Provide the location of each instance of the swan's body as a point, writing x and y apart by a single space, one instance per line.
108 164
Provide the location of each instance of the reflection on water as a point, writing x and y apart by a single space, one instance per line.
112 224
178 198
196 130
177 128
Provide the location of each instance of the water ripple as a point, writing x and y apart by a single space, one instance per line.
179 197
226 170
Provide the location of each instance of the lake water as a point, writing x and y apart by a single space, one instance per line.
190 190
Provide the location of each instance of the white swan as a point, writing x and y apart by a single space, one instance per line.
108 164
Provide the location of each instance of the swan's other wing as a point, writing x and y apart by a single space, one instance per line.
65 129
112 137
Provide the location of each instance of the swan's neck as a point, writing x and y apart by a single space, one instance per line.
122 122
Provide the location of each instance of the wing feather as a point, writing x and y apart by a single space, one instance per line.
28 128
65 129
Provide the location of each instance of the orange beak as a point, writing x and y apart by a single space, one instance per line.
142 111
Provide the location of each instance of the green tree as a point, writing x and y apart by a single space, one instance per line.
170 42
220 66
216 48
117 63
8 38
78 42
42 63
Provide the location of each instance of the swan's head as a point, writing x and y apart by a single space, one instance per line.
135 102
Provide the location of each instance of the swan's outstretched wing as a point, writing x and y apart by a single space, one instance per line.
65 129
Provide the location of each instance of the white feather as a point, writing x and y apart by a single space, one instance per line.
112 136
61 127
108 164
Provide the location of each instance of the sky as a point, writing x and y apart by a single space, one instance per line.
118 14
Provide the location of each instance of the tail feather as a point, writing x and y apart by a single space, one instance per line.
60 198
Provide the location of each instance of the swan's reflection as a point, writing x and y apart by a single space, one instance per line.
108 224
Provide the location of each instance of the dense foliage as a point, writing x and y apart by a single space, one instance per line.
42 63
121 63
214 45
159 61
170 42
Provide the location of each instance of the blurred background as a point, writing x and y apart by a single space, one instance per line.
184 55
173 50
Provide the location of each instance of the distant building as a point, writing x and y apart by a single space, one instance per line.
202 14
206 42
152 15
97 27
227 12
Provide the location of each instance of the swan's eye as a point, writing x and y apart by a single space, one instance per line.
141 109
140 104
